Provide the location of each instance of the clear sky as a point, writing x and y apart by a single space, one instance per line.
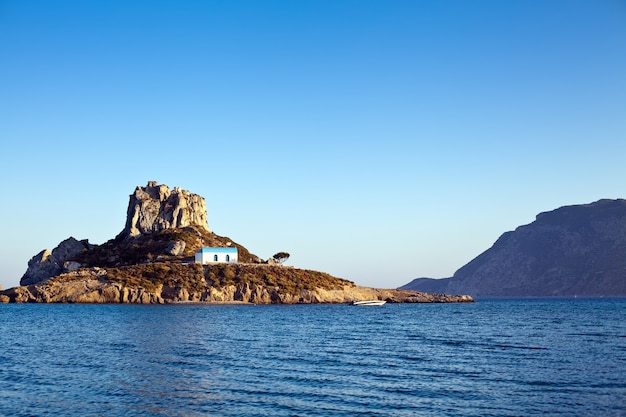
378 141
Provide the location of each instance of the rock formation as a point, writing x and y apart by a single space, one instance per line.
46 264
571 251
154 208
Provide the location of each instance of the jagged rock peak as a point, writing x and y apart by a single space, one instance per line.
155 207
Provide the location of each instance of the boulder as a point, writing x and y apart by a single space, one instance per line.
176 248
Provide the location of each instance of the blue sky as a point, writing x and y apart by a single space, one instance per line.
378 141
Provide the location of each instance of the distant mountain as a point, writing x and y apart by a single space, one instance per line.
575 250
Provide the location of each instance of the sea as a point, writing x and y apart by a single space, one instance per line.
494 357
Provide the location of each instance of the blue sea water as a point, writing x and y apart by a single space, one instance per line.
491 358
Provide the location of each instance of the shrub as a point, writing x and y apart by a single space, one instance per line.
228 273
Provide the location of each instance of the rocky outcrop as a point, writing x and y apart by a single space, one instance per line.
155 207
87 290
92 286
48 264
571 251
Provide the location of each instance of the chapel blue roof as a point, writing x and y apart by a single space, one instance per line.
221 250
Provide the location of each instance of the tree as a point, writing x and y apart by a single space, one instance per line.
280 257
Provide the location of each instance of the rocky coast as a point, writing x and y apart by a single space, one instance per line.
92 286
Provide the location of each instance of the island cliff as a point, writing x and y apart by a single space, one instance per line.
577 250
154 208
152 262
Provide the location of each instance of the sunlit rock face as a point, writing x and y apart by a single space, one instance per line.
154 208
151 209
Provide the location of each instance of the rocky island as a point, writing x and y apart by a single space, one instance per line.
152 262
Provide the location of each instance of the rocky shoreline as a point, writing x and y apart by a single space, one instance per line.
89 288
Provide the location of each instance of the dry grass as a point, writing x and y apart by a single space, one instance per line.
152 248
290 280
150 276
143 262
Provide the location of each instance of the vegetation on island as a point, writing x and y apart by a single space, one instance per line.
154 248
196 278
151 275
285 279
144 262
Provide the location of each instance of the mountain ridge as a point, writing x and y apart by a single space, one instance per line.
576 250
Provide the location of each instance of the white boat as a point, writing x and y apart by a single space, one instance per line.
369 303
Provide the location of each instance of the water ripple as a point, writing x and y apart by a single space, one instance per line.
499 358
